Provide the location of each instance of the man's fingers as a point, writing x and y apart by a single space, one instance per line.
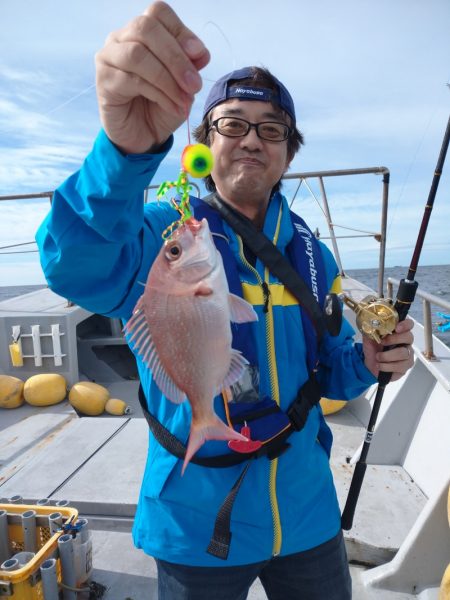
177 47
134 58
189 42
116 81
397 360
402 334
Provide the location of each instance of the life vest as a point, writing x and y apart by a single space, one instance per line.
267 420
269 424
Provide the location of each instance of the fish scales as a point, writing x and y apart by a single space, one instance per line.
181 329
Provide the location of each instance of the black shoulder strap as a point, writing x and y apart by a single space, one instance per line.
274 260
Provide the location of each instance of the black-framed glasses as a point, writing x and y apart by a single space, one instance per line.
271 131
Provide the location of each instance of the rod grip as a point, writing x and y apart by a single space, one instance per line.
405 297
353 494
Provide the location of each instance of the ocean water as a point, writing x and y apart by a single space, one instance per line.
432 279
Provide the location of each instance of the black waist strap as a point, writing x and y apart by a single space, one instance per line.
308 396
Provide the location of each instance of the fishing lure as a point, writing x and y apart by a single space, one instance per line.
197 161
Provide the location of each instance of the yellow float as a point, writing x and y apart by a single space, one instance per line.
117 407
88 398
11 392
331 406
45 389
444 590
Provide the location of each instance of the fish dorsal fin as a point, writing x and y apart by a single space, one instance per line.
139 336
240 310
238 365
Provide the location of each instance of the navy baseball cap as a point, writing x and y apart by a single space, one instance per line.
222 90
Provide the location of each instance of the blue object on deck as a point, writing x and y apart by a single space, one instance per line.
443 326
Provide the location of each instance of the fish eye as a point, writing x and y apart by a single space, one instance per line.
173 251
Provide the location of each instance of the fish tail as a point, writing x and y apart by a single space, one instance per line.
212 430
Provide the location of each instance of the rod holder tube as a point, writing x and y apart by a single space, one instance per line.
24 557
29 530
82 547
17 499
49 579
54 522
83 533
68 576
43 502
12 564
5 552
62 503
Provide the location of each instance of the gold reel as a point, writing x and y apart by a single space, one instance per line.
375 317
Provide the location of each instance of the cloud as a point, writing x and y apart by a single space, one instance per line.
37 79
362 100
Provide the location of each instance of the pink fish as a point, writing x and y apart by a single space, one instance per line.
181 329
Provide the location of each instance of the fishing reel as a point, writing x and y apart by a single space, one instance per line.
375 317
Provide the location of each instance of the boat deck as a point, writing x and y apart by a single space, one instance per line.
55 454
97 462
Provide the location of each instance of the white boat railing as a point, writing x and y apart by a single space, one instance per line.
378 236
427 300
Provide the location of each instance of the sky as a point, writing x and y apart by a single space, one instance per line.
369 80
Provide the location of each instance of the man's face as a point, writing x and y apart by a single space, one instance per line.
246 168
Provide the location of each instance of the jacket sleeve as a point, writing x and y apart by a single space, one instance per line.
91 242
342 373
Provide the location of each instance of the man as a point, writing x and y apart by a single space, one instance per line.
99 242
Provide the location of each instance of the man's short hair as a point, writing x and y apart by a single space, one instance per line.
275 93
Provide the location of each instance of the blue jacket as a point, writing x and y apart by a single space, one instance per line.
97 245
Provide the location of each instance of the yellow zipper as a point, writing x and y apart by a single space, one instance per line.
275 392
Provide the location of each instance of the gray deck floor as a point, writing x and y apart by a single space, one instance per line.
88 461
128 574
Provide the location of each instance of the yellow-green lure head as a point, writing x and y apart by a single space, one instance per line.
197 160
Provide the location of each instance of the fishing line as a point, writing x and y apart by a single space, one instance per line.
15 245
412 163
65 103
233 57
20 252
227 41
85 91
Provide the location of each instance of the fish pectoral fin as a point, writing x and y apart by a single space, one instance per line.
240 310
203 290
167 386
238 365
138 335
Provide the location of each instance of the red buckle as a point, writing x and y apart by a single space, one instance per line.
245 447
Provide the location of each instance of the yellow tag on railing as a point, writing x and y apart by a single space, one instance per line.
16 355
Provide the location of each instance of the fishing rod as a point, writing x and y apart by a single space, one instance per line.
405 297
